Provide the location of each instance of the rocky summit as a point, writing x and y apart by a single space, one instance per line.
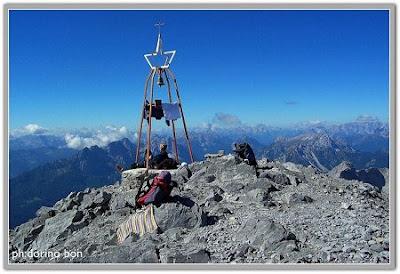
220 212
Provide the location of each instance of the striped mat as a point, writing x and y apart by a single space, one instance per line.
139 223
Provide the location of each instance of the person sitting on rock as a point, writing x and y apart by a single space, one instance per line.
245 153
163 155
162 161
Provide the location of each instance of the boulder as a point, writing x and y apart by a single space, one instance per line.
182 175
261 233
385 188
56 229
102 198
262 183
265 164
372 176
292 167
294 180
168 255
171 215
257 195
46 212
95 199
68 204
276 176
214 194
209 156
143 251
25 234
344 170
296 198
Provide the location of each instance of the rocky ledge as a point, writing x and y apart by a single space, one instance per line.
220 212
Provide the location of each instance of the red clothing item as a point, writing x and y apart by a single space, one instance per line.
158 192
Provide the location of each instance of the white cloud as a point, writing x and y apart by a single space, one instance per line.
226 120
100 138
34 129
314 122
30 129
73 141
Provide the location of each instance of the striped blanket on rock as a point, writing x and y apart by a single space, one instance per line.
139 223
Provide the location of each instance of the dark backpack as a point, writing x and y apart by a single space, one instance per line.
168 164
245 151
158 159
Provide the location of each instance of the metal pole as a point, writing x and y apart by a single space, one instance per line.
149 124
173 123
141 117
183 117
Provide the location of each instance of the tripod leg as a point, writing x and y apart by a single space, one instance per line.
149 124
183 116
141 118
173 123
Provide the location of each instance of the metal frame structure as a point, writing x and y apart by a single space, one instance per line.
168 60
161 71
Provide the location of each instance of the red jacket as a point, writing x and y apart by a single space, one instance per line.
158 192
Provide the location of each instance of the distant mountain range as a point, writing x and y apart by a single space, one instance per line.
43 169
44 185
22 160
321 151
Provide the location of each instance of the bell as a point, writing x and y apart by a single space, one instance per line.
160 80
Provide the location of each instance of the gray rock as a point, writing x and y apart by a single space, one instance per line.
373 176
145 252
345 205
102 198
257 195
386 187
344 170
174 256
46 212
68 205
220 212
171 215
265 164
295 198
209 156
261 232
93 200
276 176
117 202
376 247
294 180
56 229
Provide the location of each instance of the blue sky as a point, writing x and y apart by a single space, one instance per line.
86 68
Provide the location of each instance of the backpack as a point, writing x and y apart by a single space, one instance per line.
246 152
160 190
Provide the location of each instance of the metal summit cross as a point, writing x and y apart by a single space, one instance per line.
159 25
154 108
153 59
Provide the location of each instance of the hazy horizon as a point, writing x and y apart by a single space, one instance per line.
229 122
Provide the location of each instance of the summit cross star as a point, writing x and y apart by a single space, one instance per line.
160 59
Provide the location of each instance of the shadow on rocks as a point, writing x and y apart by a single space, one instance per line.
182 200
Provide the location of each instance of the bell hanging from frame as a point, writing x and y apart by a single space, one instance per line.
160 80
